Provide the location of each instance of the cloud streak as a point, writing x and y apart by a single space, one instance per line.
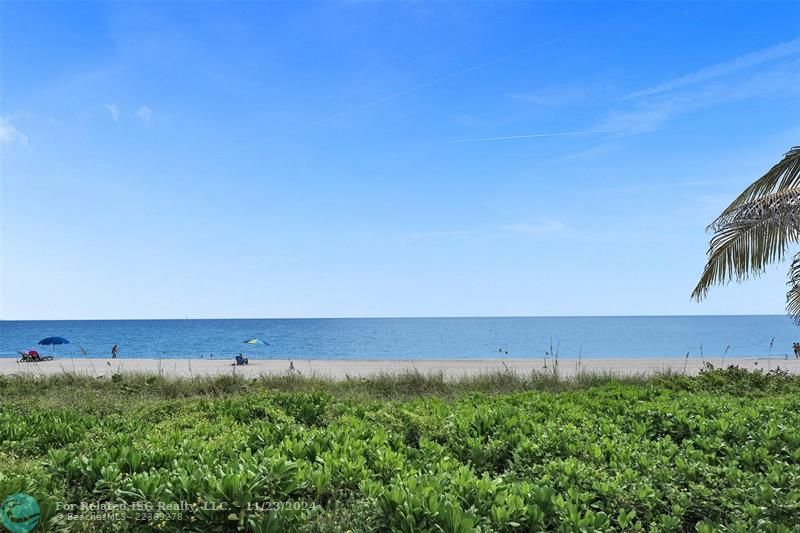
690 94
10 134
404 92
723 69
642 120
545 227
590 152
145 114
553 97
113 110
438 234
534 136
781 79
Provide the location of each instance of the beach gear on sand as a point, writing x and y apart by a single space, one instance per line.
32 356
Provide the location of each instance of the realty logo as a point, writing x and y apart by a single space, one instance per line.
20 513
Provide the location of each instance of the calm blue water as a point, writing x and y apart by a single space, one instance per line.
412 338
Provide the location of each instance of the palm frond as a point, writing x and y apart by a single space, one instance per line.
754 234
785 175
793 296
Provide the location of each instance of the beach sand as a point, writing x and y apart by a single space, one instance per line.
341 369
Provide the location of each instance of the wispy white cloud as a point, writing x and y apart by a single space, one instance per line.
145 114
469 120
553 97
113 110
545 227
647 115
780 79
405 92
593 131
587 153
10 134
723 69
641 120
434 234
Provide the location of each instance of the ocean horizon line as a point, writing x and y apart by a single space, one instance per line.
390 317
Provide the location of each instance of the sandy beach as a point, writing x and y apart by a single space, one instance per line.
341 369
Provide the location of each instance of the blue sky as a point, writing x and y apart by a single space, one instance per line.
383 159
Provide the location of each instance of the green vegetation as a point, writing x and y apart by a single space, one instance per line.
757 229
502 452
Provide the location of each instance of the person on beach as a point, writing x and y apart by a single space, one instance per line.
796 347
114 352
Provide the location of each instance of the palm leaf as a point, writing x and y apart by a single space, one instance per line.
753 235
756 229
793 296
785 175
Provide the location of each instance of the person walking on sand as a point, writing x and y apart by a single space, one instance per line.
114 352
796 347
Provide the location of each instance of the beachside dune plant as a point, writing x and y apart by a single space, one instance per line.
756 230
671 453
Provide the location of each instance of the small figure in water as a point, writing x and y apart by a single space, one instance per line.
114 352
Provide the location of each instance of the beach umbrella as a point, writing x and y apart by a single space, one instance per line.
52 341
257 341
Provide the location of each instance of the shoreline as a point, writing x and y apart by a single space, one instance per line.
344 368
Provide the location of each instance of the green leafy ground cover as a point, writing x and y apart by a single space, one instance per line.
718 452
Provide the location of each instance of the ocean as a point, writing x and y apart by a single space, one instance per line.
414 338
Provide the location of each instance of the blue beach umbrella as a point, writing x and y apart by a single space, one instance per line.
257 341
52 341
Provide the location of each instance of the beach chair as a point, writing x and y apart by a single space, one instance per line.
241 360
32 356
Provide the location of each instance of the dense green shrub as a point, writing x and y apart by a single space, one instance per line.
719 452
